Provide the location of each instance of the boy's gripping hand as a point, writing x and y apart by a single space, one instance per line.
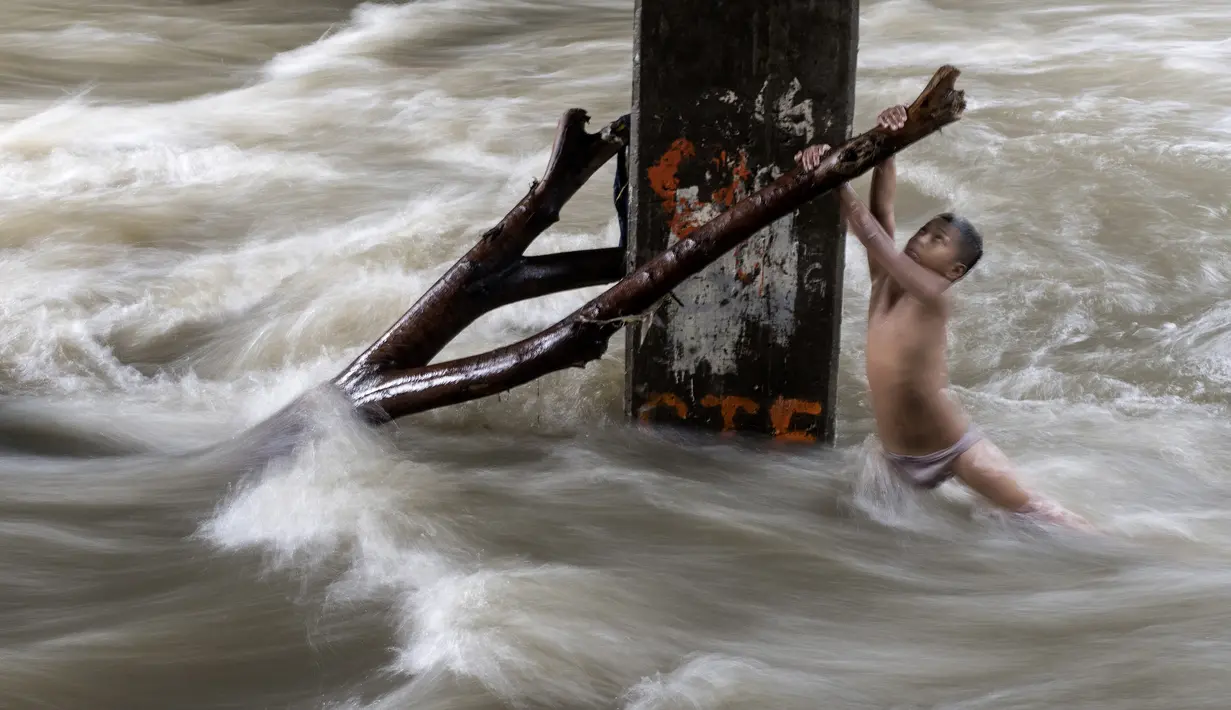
892 118
810 158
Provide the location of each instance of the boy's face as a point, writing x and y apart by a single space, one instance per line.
937 246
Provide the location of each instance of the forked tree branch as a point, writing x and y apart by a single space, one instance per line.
475 284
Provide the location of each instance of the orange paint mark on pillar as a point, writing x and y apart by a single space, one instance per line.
663 400
665 182
746 276
784 410
683 214
730 405
663 175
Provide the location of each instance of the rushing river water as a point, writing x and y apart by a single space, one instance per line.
208 207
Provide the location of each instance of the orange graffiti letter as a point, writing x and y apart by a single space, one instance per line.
781 413
730 406
662 400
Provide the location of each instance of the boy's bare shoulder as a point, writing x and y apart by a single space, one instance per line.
939 307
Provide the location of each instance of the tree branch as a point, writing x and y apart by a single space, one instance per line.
468 289
583 336
552 273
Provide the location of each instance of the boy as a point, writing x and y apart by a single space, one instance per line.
926 437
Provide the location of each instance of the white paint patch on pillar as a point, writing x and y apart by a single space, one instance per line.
753 284
795 117
758 107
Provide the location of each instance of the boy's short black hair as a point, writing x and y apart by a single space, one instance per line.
972 241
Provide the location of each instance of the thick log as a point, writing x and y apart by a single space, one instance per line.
583 336
475 284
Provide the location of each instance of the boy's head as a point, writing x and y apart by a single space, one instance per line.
947 244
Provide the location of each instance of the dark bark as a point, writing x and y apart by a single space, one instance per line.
475 284
408 388
536 276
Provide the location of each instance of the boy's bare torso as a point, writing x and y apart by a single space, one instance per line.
908 373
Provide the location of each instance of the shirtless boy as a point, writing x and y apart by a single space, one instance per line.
926 437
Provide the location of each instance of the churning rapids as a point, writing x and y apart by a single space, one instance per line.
208 207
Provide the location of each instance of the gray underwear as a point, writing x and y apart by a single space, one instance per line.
933 469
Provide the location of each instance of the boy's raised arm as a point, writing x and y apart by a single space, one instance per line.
925 285
884 180
885 184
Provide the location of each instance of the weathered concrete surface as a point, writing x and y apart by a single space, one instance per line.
725 93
